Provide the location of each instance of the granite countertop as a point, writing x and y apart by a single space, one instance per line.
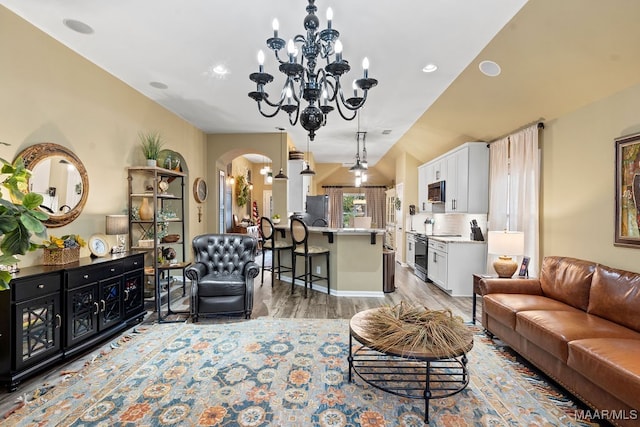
454 239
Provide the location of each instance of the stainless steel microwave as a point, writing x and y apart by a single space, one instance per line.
436 192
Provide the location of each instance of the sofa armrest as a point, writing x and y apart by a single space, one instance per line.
196 271
510 286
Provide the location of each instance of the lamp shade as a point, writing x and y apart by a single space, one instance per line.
505 242
117 224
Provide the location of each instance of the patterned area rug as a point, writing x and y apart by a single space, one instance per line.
272 372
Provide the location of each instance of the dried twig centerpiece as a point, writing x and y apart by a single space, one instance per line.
417 329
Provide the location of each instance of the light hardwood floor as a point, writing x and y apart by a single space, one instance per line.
279 302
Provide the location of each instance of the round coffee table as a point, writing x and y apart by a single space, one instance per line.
416 374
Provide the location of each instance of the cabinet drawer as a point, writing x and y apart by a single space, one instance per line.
36 286
94 273
134 262
438 246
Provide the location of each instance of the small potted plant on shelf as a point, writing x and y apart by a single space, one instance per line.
151 144
275 219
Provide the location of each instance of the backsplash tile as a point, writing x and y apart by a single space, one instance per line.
449 223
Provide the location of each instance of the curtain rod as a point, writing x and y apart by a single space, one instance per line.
353 186
540 127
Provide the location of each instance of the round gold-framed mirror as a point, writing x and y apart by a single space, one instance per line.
60 177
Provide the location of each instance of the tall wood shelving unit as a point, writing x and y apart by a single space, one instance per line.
144 183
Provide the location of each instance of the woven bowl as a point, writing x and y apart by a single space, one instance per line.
170 238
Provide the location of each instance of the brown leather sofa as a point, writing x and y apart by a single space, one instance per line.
580 324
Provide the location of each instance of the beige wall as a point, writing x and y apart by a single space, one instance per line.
578 187
51 94
224 148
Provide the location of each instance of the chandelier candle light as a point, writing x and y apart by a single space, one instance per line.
319 87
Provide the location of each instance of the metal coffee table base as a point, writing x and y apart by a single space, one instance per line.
413 374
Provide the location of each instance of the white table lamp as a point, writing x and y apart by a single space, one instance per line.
505 243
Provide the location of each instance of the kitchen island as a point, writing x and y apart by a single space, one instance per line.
355 259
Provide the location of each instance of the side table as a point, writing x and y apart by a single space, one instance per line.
476 291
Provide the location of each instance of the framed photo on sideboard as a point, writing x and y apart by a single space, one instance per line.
524 267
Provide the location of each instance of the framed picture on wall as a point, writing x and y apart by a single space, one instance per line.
627 227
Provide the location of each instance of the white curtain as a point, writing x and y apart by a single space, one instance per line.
498 184
376 200
335 207
514 189
525 191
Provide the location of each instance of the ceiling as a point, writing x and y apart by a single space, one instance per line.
556 56
179 43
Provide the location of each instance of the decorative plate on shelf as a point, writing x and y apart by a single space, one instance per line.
98 245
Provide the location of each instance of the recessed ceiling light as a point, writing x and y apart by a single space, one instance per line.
158 85
78 26
429 68
490 68
220 70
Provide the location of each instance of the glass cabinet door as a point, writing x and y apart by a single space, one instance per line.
111 305
38 323
133 294
82 310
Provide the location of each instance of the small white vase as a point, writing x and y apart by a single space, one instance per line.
152 162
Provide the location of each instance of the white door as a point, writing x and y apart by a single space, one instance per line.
400 224
267 202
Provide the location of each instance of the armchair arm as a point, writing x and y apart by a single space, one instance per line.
196 271
251 270
510 286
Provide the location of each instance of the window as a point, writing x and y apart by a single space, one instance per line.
353 204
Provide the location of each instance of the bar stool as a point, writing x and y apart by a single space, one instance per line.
269 243
301 247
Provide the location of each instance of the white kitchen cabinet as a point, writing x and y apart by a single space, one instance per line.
423 181
299 186
451 265
465 172
467 181
411 250
437 263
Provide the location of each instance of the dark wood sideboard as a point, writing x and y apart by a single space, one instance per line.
56 312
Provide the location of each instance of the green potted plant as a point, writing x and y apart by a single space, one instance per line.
275 219
151 144
19 219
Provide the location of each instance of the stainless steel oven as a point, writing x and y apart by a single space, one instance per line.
420 266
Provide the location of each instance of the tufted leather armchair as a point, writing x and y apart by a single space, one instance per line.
222 274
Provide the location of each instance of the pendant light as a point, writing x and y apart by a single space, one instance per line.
307 170
281 175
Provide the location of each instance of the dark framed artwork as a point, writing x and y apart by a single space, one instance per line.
627 231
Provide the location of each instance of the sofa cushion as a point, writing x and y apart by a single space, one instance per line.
213 285
503 307
611 363
552 330
567 280
615 295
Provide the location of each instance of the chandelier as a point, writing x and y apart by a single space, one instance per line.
319 87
